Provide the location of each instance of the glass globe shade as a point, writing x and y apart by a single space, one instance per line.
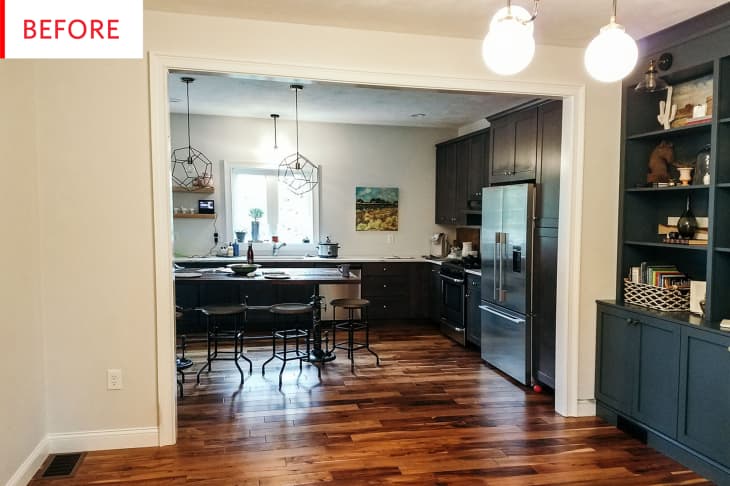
517 12
509 46
611 55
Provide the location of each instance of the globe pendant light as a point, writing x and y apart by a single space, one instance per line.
191 169
612 54
509 45
297 171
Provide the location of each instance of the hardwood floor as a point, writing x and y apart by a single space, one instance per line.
432 414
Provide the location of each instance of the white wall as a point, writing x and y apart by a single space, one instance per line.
22 407
95 195
348 156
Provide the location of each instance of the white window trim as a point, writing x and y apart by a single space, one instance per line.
291 247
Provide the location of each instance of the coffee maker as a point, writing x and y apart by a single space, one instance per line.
439 245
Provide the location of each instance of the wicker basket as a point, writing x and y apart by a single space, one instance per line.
657 298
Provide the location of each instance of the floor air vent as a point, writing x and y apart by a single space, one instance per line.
62 465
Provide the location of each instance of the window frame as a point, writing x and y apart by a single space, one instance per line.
291 248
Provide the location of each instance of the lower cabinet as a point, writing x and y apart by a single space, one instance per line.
395 290
434 293
671 378
474 315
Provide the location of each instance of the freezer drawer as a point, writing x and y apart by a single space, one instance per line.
506 341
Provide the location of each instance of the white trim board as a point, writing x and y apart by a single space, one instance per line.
571 183
91 440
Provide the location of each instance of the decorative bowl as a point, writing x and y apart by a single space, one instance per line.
243 268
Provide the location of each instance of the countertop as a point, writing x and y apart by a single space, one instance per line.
294 276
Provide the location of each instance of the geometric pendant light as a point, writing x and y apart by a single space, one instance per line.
191 169
296 171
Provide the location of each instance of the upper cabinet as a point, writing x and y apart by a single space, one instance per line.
514 139
461 172
550 132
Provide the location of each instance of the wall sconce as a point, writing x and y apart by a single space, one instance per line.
652 82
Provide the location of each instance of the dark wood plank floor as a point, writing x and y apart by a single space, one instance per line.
431 414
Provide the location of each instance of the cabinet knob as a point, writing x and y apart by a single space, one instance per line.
385 269
385 306
385 286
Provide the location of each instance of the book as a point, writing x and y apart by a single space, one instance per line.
684 241
700 234
634 274
703 222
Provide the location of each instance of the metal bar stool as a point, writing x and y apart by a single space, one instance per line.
181 362
297 334
214 314
352 325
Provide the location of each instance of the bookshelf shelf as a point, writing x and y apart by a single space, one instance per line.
655 134
666 245
664 189
724 120
722 249
723 185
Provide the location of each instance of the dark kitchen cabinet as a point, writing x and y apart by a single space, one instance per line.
461 173
395 290
474 315
547 197
614 358
545 258
704 405
513 145
434 294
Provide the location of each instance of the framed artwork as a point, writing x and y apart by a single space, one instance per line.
376 208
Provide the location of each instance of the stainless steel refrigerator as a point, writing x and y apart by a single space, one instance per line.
506 251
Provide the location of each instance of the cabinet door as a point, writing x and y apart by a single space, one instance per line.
461 183
656 381
435 294
704 399
615 358
478 166
474 315
525 166
502 149
442 190
550 120
545 271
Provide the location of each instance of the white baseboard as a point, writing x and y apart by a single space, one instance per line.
96 440
586 408
30 466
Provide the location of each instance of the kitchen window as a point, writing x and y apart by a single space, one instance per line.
294 219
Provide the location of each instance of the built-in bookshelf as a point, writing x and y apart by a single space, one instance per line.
643 207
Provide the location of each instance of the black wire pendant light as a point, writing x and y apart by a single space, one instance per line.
296 171
191 169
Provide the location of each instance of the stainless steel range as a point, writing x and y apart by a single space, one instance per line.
453 297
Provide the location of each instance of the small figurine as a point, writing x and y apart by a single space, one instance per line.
667 111
659 161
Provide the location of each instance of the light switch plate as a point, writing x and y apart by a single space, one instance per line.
113 379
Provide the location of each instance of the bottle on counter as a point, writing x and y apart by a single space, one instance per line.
229 250
236 248
249 253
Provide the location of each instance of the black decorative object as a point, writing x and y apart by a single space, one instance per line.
191 169
687 224
297 171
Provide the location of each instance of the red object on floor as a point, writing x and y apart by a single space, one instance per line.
537 388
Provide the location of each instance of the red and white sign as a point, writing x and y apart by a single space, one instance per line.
71 29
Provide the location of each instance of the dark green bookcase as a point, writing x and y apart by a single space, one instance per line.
643 208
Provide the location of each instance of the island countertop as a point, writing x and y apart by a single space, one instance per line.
272 275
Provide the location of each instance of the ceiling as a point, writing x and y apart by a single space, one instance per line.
241 96
560 22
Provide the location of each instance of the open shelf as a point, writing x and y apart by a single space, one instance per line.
722 249
662 189
194 216
724 120
666 245
198 190
723 185
655 134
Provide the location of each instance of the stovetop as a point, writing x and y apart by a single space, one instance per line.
458 267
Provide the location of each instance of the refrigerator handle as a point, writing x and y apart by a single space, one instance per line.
503 316
494 268
502 253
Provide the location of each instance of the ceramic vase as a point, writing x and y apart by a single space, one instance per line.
687 224
685 175
255 230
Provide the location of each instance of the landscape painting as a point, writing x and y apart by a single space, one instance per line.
376 208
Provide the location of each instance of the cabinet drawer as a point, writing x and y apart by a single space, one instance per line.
384 269
385 286
388 308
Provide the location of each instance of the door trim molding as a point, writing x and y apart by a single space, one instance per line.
571 182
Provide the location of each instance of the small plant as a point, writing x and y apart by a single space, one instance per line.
255 213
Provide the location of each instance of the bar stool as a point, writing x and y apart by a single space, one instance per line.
297 334
181 362
214 314
352 325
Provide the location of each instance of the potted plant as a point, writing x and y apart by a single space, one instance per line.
255 213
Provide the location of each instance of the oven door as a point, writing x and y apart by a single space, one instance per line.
453 308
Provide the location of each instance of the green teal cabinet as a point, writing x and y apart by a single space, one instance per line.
704 405
615 358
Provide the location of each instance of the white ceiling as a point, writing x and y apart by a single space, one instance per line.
212 94
560 22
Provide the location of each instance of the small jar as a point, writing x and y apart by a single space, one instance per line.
702 167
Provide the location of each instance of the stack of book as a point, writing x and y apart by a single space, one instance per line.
662 276
669 231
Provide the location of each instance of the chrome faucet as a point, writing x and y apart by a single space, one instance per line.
276 247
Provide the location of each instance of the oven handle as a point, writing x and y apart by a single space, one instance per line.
499 314
457 281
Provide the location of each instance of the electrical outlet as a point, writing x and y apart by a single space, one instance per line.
113 379
390 238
